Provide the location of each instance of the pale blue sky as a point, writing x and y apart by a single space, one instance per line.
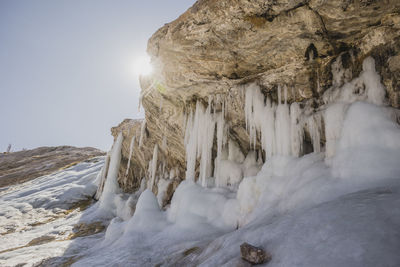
66 67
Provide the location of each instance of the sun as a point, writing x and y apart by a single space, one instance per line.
142 65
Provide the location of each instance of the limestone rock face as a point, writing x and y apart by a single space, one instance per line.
216 47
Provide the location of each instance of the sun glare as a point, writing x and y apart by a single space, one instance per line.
142 65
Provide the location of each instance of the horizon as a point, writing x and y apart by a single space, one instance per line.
68 81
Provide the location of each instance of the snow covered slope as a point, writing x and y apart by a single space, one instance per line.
22 166
37 217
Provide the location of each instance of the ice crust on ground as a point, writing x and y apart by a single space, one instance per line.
40 208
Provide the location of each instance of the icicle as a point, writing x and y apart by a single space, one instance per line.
254 108
140 103
297 134
285 93
190 146
259 160
268 130
130 155
282 126
184 121
333 118
340 75
374 88
220 141
199 137
260 118
111 186
149 172
206 143
224 107
102 176
153 168
279 95
142 133
314 128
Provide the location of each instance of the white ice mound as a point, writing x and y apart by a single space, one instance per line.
147 216
367 155
194 206
369 146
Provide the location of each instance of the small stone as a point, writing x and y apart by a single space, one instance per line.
254 255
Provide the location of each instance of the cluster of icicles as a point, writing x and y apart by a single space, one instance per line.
280 127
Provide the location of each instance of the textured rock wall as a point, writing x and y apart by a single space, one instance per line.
216 47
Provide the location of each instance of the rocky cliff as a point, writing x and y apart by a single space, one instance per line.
210 60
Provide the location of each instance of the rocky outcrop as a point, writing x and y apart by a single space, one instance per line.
22 166
216 48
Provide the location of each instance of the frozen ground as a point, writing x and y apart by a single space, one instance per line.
37 217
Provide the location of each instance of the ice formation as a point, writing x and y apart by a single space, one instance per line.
111 187
162 186
333 117
314 126
282 126
153 168
373 86
290 200
296 127
199 139
130 154
367 87
221 140
233 166
102 176
278 126
193 205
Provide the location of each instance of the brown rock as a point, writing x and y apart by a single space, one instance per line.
22 166
254 255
